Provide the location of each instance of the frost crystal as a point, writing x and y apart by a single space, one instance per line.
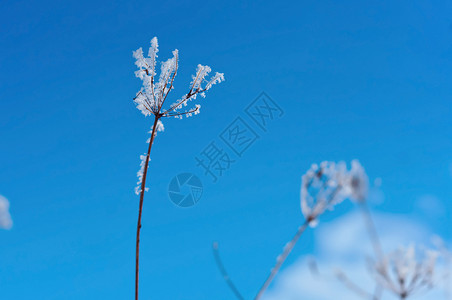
140 174
151 97
403 273
5 218
160 126
326 185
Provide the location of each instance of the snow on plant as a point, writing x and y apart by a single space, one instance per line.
151 100
322 187
326 185
5 218
404 273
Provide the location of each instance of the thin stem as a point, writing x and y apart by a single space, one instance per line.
186 98
378 292
224 273
172 80
371 229
143 184
287 249
180 114
352 286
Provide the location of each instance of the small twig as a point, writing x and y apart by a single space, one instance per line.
371 229
313 267
378 292
172 80
188 96
165 115
352 286
287 249
224 273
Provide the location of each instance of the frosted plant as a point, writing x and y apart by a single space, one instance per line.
322 187
326 185
358 182
403 273
151 100
5 218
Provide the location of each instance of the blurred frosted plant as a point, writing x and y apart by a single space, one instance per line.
358 182
403 273
5 218
326 185
151 100
322 187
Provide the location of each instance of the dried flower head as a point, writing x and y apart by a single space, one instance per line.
403 272
151 97
326 185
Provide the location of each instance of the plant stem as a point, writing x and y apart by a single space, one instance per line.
352 286
224 273
371 230
143 186
287 249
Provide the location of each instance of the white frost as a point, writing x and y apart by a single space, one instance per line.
151 97
326 185
140 175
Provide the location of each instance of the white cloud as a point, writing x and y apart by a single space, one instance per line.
344 243
5 218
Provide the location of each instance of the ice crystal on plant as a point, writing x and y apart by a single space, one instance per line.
140 174
151 97
160 127
403 272
328 184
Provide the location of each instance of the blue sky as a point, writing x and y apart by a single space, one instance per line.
355 80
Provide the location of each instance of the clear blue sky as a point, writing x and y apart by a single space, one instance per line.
356 80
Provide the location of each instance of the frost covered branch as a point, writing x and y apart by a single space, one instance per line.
151 97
